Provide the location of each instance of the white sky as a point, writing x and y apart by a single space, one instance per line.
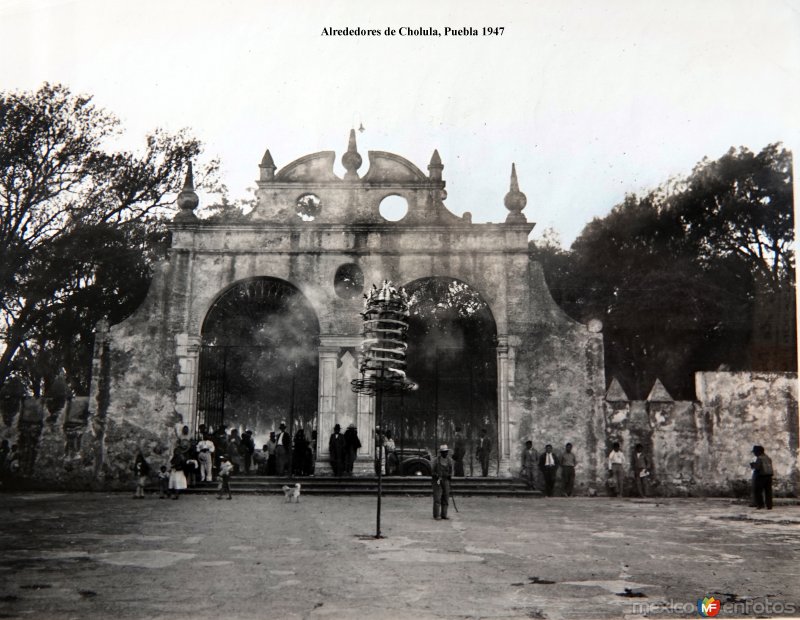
591 99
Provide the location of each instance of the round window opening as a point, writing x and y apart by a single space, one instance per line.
393 208
308 207
349 281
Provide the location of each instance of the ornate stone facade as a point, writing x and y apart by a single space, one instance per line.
306 225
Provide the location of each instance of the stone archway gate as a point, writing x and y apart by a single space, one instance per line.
309 227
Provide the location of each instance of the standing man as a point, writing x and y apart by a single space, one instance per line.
283 444
762 478
441 473
336 449
548 464
247 448
568 464
616 467
530 461
482 452
352 444
459 452
205 455
641 467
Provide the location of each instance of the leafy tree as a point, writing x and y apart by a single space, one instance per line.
683 276
79 226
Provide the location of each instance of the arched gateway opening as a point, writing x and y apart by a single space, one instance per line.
259 360
452 356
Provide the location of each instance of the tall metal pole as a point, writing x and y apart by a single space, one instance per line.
379 411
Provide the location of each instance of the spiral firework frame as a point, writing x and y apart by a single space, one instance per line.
383 365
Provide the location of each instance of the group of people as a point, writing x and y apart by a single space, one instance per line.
545 467
343 449
211 455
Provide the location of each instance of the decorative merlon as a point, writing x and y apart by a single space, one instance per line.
615 393
659 394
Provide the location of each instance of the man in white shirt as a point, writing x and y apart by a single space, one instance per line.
205 453
616 466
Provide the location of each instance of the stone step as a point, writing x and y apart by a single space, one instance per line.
413 485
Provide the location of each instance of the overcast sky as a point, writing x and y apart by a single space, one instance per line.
591 99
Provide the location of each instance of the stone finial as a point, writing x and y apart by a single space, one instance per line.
351 160
435 167
659 394
267 167
187 199
515 200
616 394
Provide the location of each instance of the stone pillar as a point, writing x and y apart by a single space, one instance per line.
338 404
328 361
187 351
505 378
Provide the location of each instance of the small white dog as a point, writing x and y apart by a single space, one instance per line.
292 494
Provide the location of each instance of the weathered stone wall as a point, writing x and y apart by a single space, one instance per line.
704 447
558 384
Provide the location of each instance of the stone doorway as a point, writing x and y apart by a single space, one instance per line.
258 360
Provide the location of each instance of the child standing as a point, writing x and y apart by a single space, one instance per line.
163 483
225 469
141 470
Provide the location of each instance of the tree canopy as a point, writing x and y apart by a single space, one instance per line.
80 225
696 274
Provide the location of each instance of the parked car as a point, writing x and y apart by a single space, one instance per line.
414 462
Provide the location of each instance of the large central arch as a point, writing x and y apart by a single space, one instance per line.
258 360
452 356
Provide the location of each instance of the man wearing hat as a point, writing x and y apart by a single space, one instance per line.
441 472
336 449
283 445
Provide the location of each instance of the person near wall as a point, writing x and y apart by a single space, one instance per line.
482 451
392 462
459 452
352 444
205 456
616 467
141 471
336 450
177 477
441 473
548 465
568 464
530 463
271 448
283 444
247 448
641 470
762 478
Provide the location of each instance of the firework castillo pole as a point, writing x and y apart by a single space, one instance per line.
383 357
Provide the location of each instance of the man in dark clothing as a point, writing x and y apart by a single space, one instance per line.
247 447
459 452
336 449
351 444
282 450
762 478
548 464
482 451
441 473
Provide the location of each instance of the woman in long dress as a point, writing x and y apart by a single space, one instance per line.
177 479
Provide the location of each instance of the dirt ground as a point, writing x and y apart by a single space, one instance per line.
110 556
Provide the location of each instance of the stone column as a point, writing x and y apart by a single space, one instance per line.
328 361
187 351
505 379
